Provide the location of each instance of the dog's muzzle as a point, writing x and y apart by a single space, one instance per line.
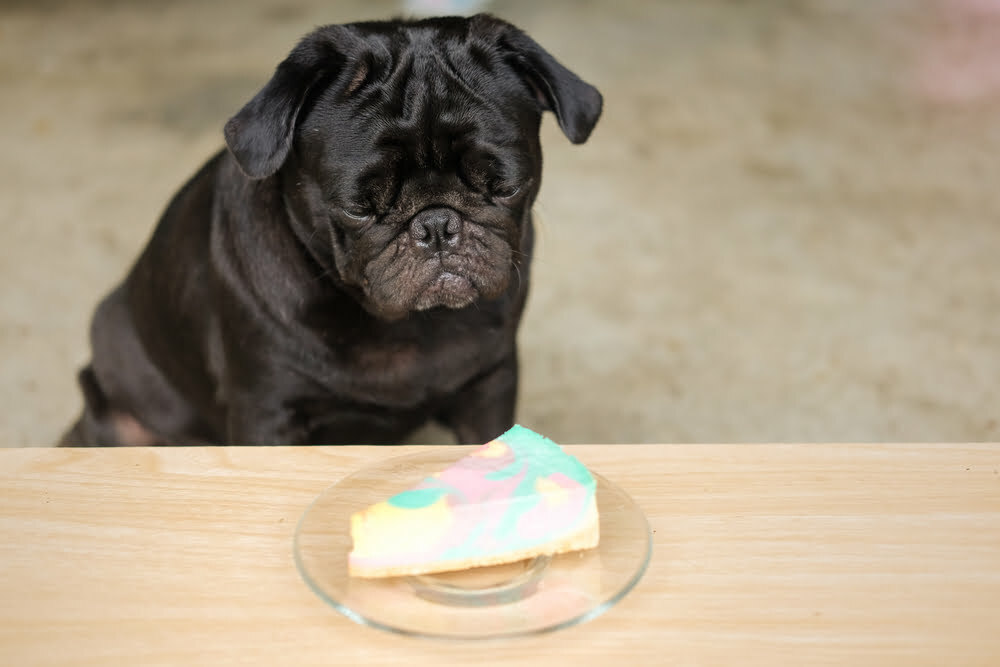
437 230
438 235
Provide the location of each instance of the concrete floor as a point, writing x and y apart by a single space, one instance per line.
785 228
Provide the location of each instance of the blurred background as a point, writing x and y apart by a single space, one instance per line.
786 226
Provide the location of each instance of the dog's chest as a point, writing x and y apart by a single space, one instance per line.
406 373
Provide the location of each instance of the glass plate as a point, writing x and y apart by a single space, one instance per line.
529 597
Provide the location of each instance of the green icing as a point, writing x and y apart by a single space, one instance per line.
527 444
504 473
417 498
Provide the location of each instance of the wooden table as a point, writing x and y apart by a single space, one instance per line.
763 554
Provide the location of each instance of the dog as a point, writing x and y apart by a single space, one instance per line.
355 262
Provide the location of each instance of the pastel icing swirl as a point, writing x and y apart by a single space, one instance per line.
510 494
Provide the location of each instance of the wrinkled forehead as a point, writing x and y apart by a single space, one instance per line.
422 63
424 97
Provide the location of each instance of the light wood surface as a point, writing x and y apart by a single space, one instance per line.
763 554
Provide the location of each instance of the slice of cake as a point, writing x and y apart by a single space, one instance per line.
516 497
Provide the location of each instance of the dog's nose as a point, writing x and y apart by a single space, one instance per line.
437 228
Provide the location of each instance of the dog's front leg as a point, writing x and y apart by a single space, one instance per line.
484 408
257 422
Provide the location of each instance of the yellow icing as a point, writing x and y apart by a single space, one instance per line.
493 449
553 493
378 530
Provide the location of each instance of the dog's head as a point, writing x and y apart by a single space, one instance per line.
409 153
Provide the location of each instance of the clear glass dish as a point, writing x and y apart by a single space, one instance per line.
529 597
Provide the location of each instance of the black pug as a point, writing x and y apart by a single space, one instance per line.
356 263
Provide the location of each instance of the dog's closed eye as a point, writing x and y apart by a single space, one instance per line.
503 192
358 213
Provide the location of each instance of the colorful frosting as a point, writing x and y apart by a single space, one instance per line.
509 495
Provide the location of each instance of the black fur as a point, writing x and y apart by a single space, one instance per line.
356 263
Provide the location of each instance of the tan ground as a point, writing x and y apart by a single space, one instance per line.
786 227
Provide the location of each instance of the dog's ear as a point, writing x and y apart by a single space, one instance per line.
260 135
575 103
